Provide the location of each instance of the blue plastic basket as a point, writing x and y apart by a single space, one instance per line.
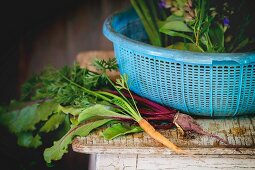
206 84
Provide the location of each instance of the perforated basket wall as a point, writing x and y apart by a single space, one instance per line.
195 83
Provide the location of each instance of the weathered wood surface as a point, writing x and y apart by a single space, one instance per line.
239 131
164 162
140 152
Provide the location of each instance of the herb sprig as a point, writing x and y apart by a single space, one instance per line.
200 25
73 101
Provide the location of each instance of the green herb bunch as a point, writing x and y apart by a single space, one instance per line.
73 101
59 104
199 25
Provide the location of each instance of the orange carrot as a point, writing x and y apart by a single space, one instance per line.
149 129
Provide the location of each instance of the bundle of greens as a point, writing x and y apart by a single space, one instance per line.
73 101
199 25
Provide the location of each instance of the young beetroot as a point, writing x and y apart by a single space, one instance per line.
152 112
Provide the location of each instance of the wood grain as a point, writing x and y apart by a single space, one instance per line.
165 162
238 131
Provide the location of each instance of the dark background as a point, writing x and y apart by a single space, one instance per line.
35 34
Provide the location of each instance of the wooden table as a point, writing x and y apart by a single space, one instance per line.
139 151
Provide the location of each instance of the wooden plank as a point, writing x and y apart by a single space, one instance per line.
148 162
238 131
113 162
159 150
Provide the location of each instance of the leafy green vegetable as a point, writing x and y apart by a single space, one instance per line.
22 120
46 108
174 18
65 127
50 100
7 118
176 26
71 97
149 17
176 34
185 46
27 139
53 123
212 26
120 129
71 110
100 111
110 64
217 38
60 147
50 85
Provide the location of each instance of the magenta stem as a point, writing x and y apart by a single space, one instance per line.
153 112
144 101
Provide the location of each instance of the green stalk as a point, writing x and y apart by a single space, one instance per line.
86 90
200 48
132 99
143 20
148 16
161 17
153 9
134 104
125 105
200 19
148 25
209 43
117 89
156 20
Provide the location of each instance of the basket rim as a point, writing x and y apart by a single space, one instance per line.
174 54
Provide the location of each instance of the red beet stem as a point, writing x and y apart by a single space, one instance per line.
169 118
152 105
149 112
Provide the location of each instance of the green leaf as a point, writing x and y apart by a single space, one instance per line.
216 35
71 110
148 20
46 109
60 147
103 65
176 26
26 118
53 122
7 118
160 23
176 34
174 18
119 130
206 25
27 139
65 127
99 110
185 46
